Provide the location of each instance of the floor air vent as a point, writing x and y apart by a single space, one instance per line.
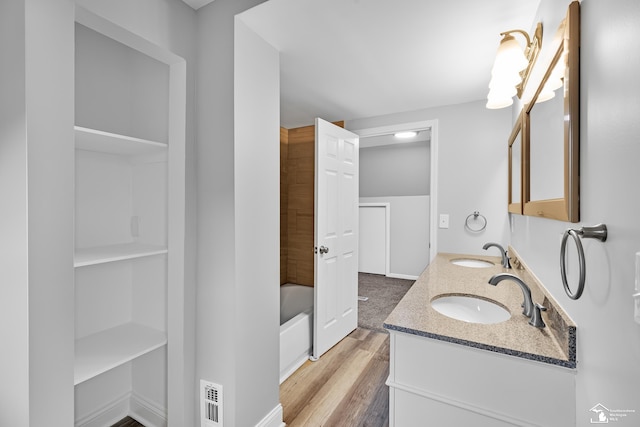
211 404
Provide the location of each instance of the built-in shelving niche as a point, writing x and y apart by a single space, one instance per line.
120 187
126 258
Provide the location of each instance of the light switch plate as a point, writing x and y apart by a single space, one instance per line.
444 221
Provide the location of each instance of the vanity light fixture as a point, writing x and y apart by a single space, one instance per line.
555 81
512 67
405 135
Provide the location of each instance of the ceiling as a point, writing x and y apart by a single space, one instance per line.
197 4
349 59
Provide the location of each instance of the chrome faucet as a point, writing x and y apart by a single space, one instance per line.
503 252
528 302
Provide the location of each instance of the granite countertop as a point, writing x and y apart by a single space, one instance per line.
555 344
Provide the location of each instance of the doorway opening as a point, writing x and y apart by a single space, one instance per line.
319 197
398 194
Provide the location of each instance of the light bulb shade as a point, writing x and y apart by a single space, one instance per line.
506 81
502 91
495 103
510 58
556 78
500 96
554 81
559 70
512 67
553 84
545 95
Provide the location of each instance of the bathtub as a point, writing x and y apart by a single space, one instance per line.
296 327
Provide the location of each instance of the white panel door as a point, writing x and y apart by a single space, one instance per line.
372 247
336 236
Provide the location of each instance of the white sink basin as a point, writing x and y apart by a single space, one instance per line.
470 309
473 263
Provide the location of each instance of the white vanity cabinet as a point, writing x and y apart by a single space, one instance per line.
128 182
433 382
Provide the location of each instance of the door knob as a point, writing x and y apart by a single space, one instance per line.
324 250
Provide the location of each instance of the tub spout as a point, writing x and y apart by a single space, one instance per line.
526 292
503 253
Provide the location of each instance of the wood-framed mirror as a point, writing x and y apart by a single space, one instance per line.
516 160
552 131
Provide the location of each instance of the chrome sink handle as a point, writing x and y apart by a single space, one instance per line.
536 316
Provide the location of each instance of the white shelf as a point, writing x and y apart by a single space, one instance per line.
111 143
102 254
105 350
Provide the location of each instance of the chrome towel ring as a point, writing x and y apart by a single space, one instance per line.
475 222
596 232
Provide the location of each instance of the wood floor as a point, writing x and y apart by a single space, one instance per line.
346 387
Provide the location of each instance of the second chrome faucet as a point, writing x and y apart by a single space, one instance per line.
503 252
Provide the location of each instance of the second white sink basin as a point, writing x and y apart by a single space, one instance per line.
470 309
472 262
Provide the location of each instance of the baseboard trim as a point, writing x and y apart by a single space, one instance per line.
293 367
147 412
402 276
273 418
129 404
107 414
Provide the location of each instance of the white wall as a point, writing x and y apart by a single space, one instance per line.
14 274
257 216
223 343
472 175
409 234
36 199
608 341
395 170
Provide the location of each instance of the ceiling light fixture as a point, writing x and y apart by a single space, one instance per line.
405 135
512 67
